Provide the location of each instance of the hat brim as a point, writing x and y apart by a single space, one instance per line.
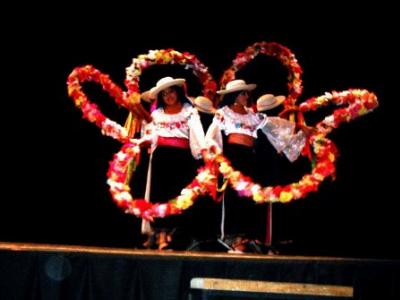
146 96
278 101
247 87
155 90
211 111
191 99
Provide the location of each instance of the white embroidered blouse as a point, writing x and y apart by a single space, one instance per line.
280 132
185 124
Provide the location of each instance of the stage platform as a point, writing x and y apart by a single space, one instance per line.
40 271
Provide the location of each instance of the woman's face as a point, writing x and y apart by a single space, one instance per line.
169 96
243 97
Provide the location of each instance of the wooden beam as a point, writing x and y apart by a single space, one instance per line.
240 285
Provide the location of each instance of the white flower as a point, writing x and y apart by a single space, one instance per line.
241 185
152 54
328 96
121 156
162 209
330 121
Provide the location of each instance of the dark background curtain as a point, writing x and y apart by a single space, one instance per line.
67 275
55 163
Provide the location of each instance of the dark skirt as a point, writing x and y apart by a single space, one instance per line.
274 169
242 215
172 169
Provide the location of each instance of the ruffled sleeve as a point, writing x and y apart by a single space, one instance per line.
280 133
214 134
196 134
296 144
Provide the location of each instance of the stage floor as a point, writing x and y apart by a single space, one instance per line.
46 271
164 253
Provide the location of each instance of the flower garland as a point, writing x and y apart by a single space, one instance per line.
169 56
118 170
326 154
278 51
90 110
120 191
359 103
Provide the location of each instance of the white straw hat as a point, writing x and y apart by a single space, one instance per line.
147 96
204 104
237 85
269 101
164 83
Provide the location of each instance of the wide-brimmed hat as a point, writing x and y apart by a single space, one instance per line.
269 101
164 83
147 96
237 85
204 104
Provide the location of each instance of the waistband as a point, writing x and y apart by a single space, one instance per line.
241 139
173 142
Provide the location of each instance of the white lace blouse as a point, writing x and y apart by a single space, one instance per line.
280 132
185 124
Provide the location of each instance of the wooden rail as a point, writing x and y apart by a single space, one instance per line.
270 287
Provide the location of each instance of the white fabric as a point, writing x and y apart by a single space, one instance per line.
229 121
146 226
185 124
280 132
295 146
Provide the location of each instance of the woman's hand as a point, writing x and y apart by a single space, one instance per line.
145 143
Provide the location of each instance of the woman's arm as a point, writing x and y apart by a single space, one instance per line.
196 134
214 134
280 133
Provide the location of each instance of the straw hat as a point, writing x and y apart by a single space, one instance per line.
146 96
164 83
269 101
204 104
237 85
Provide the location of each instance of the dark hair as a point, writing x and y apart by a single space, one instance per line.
180 95
273 111
229 99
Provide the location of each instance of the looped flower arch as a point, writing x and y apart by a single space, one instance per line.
90 110
325 152
359 102
275 50
164 57
118 171
204 181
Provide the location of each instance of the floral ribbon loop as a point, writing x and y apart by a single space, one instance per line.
322 152
203 183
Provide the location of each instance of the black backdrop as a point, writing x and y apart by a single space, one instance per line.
55 162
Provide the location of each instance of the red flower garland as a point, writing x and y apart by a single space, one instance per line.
278 51
90 110
120 191
359 103
205 179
